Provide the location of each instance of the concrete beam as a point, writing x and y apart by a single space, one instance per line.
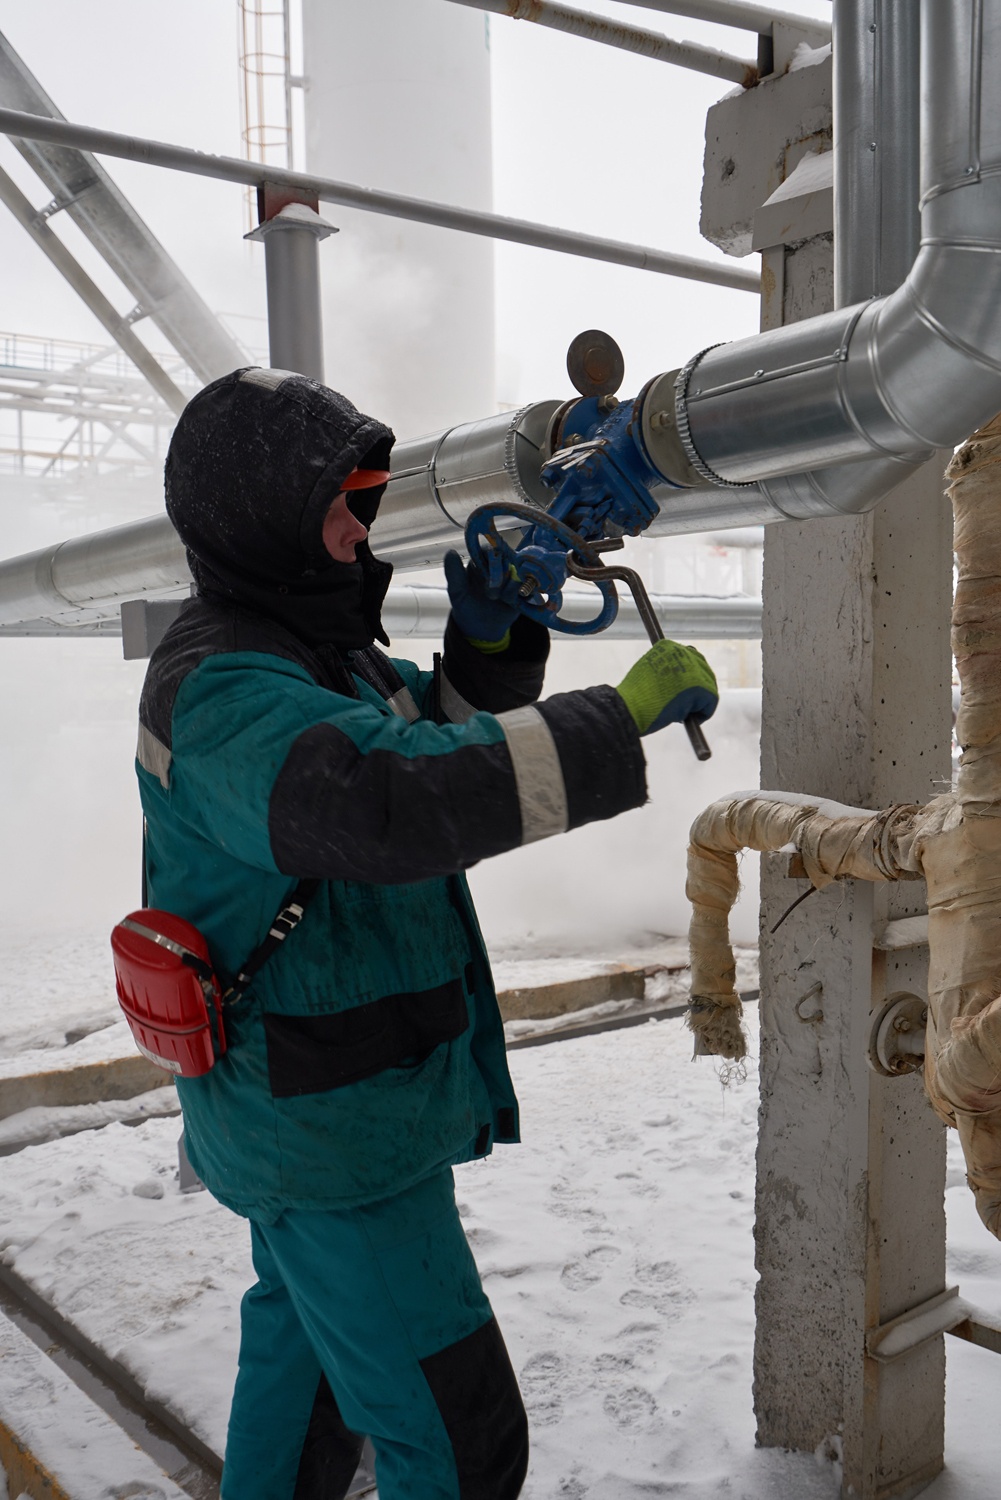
754 141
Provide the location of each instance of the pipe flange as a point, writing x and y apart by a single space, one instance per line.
685 431
897 1036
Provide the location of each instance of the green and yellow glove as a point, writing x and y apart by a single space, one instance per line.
666 685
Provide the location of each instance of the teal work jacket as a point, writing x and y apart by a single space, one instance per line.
368 1052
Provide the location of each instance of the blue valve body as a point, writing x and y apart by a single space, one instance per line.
602 481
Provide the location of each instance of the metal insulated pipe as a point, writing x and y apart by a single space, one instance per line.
437 482
877 146
84 579
894 378
820 418
420 612
417 612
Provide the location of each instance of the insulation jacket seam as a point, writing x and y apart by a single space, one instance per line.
786 371
882 391
58 597
954 342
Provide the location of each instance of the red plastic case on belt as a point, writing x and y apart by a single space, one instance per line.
169 992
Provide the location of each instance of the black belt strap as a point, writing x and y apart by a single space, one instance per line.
285 922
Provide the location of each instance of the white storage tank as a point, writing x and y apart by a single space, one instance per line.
398 97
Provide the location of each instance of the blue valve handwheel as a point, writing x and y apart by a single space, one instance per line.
495 557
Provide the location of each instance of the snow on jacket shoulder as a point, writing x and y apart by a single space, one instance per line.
369 1051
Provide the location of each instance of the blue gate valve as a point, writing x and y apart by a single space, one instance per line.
603 481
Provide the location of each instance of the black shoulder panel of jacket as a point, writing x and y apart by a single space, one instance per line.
502 680
604 769
206 628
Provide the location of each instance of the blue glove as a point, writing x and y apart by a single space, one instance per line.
485 622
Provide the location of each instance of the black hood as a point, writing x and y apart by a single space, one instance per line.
253 465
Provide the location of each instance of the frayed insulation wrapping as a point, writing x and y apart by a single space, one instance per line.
962 862
833 842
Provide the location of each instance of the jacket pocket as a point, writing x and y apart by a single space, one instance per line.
314 1054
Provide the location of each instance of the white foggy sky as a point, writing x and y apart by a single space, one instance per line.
586 137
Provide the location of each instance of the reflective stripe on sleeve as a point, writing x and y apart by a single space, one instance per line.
542 794
402 703
153 756
454 706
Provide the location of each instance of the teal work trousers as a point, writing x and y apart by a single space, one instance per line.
373 1322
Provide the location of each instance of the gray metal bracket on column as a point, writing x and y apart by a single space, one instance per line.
946 1313
982 1330
916 1326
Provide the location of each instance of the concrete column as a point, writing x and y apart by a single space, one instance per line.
850 1227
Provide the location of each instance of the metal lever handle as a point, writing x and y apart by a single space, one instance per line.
698 740
637 587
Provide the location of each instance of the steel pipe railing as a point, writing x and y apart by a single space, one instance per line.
736 13
634 39
372 200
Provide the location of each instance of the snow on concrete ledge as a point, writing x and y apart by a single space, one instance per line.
56 1444
103 1065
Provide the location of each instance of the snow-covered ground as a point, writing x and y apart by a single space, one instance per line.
615 1244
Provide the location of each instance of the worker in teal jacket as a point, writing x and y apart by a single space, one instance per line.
278 743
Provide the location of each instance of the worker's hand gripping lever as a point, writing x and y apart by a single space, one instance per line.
602 476
602 575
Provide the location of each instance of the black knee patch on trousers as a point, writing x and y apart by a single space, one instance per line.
476 1392
330 1452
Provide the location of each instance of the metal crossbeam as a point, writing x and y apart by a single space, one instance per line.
69 267
82 189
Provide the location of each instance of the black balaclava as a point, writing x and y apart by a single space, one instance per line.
253 465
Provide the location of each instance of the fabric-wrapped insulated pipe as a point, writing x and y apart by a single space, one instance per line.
834 841
954 842
962 862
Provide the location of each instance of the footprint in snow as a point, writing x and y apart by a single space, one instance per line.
634 1407
613 1364
541 1383
577 1274
572 1487
660 1288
